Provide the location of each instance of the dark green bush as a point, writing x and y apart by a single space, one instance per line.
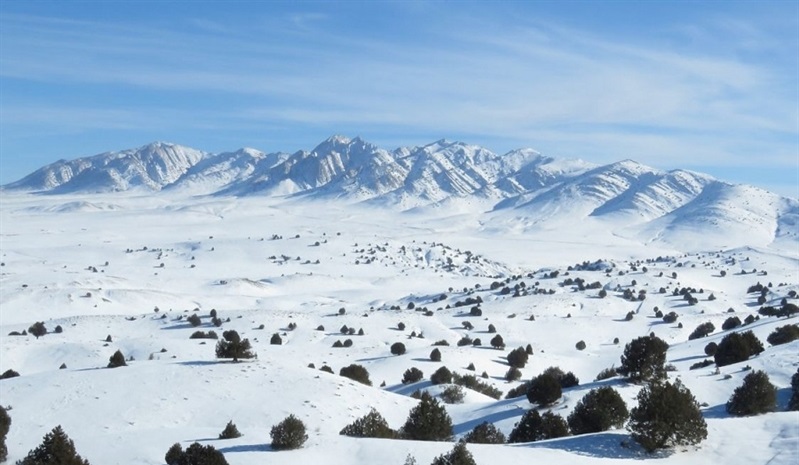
5 426
783 335
756 395
288 434
117 360
737 347
428 421
667 415
441 376
536 427
56 448
485 433
412 375
599 410
459 455
397 348
356 373
702 330
230 431
644 359
544 389
371 425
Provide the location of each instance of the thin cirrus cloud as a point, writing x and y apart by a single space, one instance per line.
559 89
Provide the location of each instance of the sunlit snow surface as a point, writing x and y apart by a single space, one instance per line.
180 253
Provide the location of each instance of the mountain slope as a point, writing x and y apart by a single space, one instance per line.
522 188
152 166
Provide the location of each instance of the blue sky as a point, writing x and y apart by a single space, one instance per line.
710 86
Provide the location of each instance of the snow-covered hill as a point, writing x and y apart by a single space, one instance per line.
133 267
519 190
152 166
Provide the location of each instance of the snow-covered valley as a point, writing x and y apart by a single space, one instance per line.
124 270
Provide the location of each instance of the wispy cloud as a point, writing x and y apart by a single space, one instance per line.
531 83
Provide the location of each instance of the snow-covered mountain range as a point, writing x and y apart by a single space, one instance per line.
521 186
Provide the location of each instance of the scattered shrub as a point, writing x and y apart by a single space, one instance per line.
38 329
667 415
783 335
435 355
371 425
428 421
513 374
397 348
756 395
711 348
737 347
702 330
566 380
606 373
544 389
194 320
356 373
704 363
485 433
731 323
517 358
453 394
56 448
10 373
204 335
580 345
459 455
793 404
276 340
599 410
644 358
471 382
441 376
536 427
412 375
288 434
117 360
233 346
497 342
230 431
5 426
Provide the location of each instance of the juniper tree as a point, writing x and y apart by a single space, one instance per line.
117 360
230 431
737 347
56 448
288 434
667 415
233 346
644 359
357 373
371 425
536 427
427 421
5 425
459 455
485 433
38 329
544 389
599 410
756 395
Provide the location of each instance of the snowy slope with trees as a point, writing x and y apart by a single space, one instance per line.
503 267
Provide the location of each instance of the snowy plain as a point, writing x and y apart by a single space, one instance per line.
276 260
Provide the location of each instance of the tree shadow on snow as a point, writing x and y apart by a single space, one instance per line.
465 427
246 448
200 363
601 445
